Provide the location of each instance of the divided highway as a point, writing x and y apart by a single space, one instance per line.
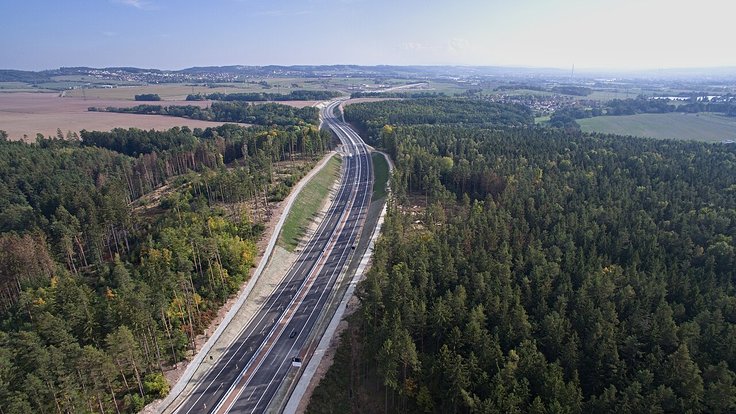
248 375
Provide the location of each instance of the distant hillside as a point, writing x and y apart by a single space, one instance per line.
239 72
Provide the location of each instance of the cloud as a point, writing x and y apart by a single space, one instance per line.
413 46
138 4
458 45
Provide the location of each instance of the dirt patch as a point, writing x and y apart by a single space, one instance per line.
26 114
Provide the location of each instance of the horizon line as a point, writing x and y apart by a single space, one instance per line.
433 65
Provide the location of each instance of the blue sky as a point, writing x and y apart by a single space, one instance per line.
173 34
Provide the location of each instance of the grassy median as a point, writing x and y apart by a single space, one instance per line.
308 203
380 175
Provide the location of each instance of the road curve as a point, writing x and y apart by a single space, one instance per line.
254 367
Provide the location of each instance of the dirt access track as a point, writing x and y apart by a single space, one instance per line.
30 113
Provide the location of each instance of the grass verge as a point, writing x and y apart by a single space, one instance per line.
307 204
380 173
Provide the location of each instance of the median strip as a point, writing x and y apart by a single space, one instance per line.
308 204
245 376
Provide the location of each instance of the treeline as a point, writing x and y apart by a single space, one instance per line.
549 272
135 142
260 114
562 89
565 117
726 108
147 97
371 117
512 86
226 143
99 292
11 75
299 95
572 90
616 107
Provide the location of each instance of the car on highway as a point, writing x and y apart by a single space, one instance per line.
296 362
292 334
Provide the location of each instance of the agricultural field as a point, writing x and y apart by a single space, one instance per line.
90 87
609 94
700 127
286 85
21 87
26 114
524 92
168 92
62 83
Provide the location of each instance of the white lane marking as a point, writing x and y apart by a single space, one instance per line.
353 196
335 272
249 326
333 240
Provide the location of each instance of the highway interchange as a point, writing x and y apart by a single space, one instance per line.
249 374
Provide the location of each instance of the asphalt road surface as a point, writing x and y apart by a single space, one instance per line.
248 375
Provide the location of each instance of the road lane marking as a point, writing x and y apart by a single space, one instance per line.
227 401
305 261
357 227
272 337
312 245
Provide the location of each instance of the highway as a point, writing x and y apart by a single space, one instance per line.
248 375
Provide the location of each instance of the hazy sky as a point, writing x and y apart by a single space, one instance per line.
173 34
